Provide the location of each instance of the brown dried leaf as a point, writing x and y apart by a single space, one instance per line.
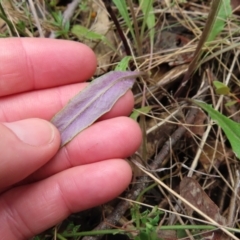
101 26
198 127
194 194
213 155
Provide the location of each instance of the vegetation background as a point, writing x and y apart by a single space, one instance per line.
186 173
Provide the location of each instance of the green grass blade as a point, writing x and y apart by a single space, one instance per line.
123 10
82 32
224 12
149 18
137 112
123 64
215 6
230 128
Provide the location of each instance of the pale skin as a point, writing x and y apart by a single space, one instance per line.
41 185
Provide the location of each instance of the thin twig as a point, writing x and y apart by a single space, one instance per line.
173 140
192 66
232 207
118 27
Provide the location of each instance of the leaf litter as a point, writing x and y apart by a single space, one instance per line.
192 191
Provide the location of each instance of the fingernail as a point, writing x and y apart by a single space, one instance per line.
34 132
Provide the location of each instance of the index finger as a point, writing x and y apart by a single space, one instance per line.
34 63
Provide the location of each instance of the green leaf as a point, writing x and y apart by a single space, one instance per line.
142 236
53 3
123 64
81 31
137 112
224 12
230 128
58 17
231 103
181 233
221 88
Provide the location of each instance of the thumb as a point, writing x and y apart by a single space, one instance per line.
25 146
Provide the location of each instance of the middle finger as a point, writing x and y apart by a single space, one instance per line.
46 103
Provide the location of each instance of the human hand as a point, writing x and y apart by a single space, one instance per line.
39 185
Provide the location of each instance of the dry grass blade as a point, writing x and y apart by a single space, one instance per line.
223 228
203 39
206 134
